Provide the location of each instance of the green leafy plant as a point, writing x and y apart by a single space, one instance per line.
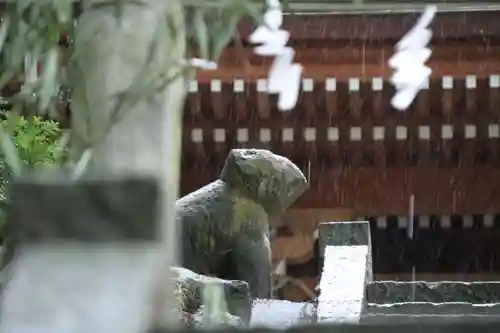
35 143
35 139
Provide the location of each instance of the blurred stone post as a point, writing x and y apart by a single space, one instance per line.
87 256
347 268
113 54
124 53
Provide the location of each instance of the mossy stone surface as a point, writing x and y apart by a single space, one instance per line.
237 293
225 224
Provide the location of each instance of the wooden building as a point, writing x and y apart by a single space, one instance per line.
364 159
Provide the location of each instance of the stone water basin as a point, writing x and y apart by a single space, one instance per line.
281 314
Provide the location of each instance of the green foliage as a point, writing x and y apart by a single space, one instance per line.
35 139
36 143
30 31
213 24
33 28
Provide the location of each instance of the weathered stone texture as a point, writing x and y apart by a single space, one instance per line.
225 224
384 292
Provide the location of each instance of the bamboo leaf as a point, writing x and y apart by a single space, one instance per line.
254 11
64 9
49 79
22 5
31 67
82 164
62 144
202 33
6 77
224 29
10 153
3 31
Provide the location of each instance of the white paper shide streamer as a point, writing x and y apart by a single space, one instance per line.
410 72
284 75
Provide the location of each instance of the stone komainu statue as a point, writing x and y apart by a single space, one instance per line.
225 224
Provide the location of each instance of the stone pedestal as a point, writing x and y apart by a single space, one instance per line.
384 292
87 256
347 233
346 270
395 300
428 308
